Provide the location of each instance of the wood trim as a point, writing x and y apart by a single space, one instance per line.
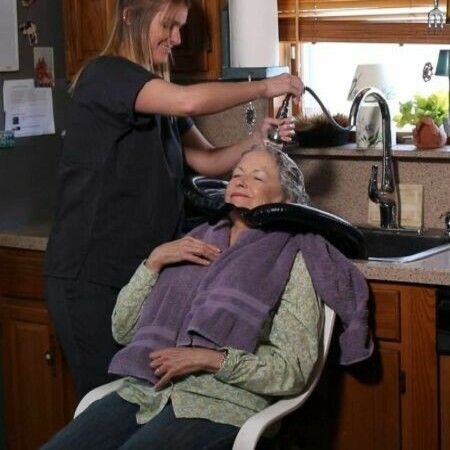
360 31
387 313
445 401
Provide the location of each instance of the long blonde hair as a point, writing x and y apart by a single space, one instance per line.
129 33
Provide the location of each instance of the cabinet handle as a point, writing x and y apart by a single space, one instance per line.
209 41
402 382
49 358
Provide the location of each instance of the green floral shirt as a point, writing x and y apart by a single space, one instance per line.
246 382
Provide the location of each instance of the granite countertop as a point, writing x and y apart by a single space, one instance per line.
434 270
400 151
30 237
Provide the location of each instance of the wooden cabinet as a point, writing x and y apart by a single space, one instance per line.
199 57
445 401
86 27
389 402
87 24
395 405
39 394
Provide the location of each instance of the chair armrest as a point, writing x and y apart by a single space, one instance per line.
97 394
255 426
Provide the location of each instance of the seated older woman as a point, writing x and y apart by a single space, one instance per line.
216 326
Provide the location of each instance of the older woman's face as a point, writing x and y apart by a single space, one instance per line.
164 32
255 181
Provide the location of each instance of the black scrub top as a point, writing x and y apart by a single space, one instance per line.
119 178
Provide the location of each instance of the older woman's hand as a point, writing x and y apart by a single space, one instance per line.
286 127
176 361
184 249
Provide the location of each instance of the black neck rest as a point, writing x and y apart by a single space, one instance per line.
297 218
207 196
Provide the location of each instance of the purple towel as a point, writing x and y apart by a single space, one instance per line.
227 303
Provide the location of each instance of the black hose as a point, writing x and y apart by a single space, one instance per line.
326 112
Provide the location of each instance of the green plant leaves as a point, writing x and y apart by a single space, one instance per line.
434 106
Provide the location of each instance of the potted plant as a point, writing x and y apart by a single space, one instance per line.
317 131
427 114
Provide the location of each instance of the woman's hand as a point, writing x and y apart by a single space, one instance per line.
175 361
286 128
283 84
184 249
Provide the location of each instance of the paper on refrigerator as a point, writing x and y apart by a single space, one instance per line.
28 110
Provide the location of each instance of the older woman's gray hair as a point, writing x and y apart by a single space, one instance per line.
291 177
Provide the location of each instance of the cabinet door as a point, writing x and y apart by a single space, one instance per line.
33 375
389 402
199 55
86 25
369 405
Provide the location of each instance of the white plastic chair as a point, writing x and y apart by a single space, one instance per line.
254 427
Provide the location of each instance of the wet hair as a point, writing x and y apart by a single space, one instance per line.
291 177
129 33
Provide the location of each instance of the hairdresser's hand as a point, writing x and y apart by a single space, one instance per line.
281 85
176 361
184 249
286 127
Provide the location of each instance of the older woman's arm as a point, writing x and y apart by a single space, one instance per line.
129 304
282 365
131 298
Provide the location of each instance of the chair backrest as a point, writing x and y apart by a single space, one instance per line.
254 427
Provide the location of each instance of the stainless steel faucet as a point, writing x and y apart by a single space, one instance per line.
387 195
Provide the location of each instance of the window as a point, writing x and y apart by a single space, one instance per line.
395 21
334 36
328 68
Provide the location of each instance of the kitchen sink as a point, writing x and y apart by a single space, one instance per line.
403 246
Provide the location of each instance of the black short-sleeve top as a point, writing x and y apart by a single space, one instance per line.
119 177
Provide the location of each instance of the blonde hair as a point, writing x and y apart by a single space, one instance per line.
129 33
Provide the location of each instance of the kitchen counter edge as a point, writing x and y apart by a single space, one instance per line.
431 271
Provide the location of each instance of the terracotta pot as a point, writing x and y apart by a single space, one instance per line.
428 135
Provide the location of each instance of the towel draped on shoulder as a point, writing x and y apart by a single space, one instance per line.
226 303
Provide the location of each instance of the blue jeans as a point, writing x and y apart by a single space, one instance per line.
110 424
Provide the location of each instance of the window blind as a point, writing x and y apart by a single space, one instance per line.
385 21
307 6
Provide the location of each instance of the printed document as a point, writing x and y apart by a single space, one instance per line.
28 110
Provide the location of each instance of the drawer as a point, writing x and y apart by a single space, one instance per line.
21 273
387 311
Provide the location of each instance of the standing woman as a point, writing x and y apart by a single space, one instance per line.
128 137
